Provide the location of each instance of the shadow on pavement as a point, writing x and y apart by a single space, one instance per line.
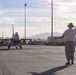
3 49
6 49
51 71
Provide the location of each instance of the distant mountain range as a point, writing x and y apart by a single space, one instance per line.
45 35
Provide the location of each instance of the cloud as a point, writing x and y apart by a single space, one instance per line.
8 20
64 11
21 30
38 16
49 1
11 16
37 20
37 30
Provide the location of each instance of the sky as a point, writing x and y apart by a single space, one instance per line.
38 16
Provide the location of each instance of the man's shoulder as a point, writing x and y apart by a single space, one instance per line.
66 30
70 30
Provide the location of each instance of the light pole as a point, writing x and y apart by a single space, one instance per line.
52 21
25 23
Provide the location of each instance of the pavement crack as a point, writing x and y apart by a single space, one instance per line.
3 69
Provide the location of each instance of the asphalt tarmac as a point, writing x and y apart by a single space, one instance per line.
35 60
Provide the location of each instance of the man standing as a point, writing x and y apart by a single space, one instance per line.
69 35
